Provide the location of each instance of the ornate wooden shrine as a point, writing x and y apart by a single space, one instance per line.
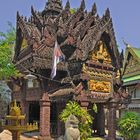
90 73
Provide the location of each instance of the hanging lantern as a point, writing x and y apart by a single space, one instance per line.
30 77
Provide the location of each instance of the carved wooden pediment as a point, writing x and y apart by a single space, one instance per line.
99 69
101 54
99 63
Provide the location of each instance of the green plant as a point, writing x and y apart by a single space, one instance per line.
95 109
7 43
129 125
7 69
84 118
73 10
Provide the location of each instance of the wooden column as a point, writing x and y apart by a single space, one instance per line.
25 110
84 104
59 122
112 121
83 101
101 120
15 135
45 118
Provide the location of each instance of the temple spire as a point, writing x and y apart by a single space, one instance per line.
67 5
83 5
94 9
53 8
107 12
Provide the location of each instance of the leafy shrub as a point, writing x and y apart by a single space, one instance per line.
84 118
73 10
129 125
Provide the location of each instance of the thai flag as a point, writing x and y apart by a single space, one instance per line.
58 56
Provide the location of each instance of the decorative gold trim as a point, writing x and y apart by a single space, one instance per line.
93 73
99 86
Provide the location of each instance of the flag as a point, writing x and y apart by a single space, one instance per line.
58 56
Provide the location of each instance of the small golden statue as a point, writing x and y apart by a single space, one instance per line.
101 54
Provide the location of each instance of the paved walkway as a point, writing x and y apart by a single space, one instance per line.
6 135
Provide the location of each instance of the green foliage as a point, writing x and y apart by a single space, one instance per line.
129 125
73 10
7 43
8 38
95 109
84 118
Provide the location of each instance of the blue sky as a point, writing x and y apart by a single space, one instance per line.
125 15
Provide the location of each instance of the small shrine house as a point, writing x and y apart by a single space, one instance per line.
90 73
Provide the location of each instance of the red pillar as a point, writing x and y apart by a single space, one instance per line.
25 110
84 104
83 101
45 118
112 121
59 122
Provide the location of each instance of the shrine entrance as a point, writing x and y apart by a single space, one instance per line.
98 126
99 74
34 112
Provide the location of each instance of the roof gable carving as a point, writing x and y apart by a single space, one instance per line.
131 62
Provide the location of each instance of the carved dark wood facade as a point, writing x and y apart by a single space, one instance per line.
91 71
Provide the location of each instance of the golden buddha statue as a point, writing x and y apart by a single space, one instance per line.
101 54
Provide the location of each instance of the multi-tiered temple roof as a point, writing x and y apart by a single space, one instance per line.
77 35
